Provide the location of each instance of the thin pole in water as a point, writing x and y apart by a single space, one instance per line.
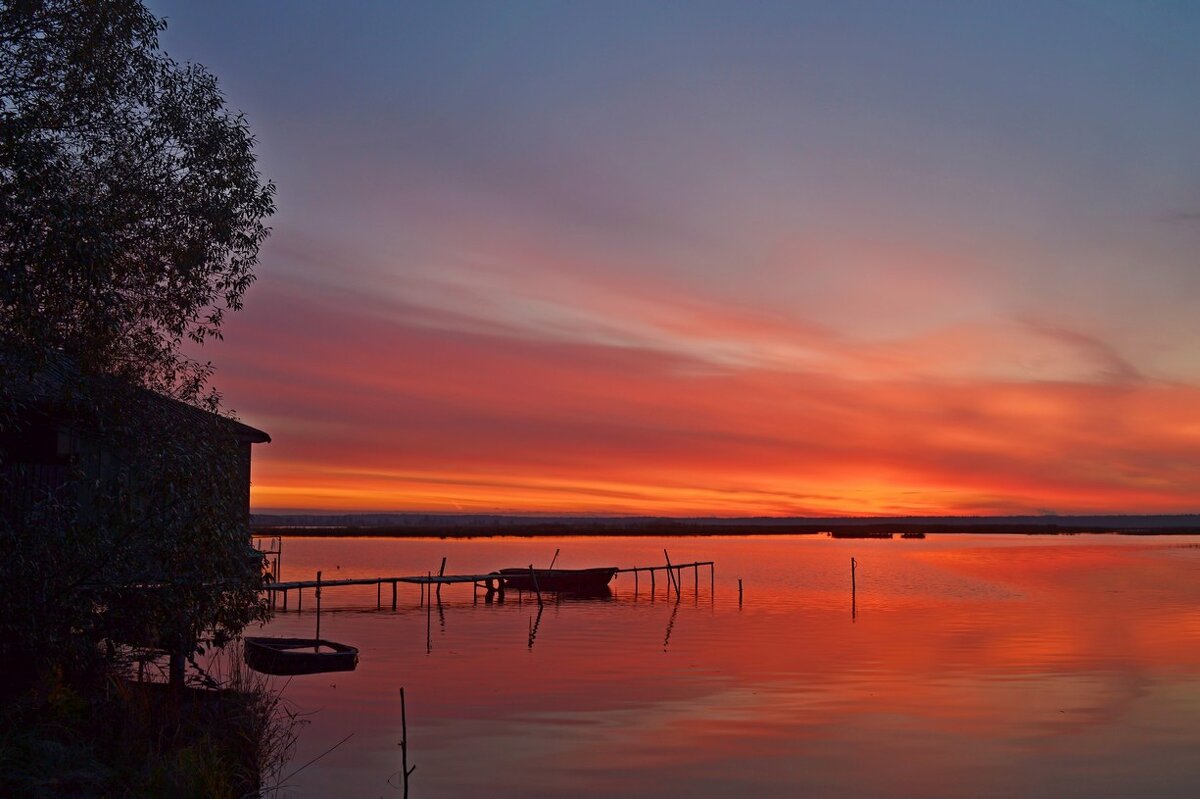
404 744
536 587
853 589
318 611
670 575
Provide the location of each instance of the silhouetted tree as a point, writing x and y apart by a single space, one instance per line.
131 210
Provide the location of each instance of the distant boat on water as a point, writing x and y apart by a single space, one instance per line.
858 534
558 581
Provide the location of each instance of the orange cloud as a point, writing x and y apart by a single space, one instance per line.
377 404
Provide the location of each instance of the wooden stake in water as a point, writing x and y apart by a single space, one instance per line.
405 770
533 575
671 576
739 592
853 589
317 645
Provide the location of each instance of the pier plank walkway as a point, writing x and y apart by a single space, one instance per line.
491 581
414 579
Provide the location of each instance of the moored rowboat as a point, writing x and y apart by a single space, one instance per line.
288 656
560 581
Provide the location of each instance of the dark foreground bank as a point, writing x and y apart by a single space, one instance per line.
121 737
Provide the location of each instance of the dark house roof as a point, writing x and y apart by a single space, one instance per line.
243 432
45 384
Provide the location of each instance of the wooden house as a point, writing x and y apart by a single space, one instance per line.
63 435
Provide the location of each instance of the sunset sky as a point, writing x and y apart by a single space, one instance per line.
718 258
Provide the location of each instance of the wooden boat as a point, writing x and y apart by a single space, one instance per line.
558 581
288 656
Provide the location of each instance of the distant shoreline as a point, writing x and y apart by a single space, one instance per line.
533 528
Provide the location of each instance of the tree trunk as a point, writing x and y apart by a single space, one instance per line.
175 671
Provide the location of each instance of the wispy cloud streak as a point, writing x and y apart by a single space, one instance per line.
390 405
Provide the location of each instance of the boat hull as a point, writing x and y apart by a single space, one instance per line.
591 582
288 656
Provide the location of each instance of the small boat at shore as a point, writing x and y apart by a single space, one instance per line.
558 581
289 656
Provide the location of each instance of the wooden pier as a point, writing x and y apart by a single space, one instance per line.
270 548
491 582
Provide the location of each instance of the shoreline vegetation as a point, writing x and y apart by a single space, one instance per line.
126 737
487 526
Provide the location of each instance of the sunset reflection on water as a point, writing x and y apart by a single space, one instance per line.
962 666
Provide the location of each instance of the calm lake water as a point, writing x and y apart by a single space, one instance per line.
969 665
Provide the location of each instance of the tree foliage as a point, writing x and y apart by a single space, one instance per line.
131 209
